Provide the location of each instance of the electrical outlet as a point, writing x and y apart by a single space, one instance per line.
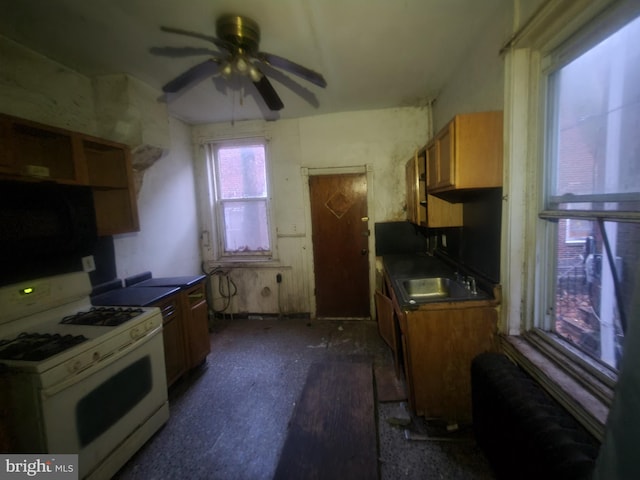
88 263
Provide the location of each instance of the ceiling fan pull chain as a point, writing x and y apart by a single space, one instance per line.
233 107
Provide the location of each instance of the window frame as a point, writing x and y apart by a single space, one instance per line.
552 211
558 32
217 204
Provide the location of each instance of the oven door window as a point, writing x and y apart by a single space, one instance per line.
109 402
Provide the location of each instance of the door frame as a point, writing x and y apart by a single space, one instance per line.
306 172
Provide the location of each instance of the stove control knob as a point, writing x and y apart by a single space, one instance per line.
135 333
96 356
75 366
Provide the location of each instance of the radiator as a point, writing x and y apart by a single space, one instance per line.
524 433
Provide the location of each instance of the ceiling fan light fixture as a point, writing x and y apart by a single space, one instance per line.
255 74
242 65
238 38
226 70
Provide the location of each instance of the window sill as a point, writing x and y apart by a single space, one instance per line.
245 263
586 396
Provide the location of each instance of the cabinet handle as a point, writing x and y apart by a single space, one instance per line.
168 310
196 295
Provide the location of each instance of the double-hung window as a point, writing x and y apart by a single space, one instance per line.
590 212
241 199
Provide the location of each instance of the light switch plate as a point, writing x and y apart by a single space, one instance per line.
88 263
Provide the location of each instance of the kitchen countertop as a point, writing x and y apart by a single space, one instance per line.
136 297
182 281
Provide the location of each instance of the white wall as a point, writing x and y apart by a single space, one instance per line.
381 140
167 243
478 82
38 89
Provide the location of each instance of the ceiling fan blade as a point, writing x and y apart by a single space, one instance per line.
269 94
192 76
278 75
291 67
216 41
184 52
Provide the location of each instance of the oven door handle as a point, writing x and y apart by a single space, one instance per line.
101 363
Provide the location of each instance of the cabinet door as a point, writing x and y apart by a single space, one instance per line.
412 199
421 191
408 377
173 350
432 165
446 165
384 312
441 346
196 325
109 173
199 334
173 338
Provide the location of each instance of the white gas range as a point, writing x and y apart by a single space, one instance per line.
82 379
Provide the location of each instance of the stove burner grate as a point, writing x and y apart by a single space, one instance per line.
103 316
37 346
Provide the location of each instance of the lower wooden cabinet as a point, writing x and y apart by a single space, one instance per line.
433 349
185 330
173 336
439 346
387 326
196 324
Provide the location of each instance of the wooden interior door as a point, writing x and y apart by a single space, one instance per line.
339 223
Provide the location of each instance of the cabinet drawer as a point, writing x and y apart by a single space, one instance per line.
169 309
195 295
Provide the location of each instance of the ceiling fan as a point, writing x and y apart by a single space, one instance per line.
238 38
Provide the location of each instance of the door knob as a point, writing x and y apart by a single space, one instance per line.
364 251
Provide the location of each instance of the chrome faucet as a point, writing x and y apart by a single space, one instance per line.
472 285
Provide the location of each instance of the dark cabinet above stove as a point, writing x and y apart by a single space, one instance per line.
34 152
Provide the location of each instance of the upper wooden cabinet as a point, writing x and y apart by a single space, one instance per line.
32 150
416 188
35 152
466 155
423 209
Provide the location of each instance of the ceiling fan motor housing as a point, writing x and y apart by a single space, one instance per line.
242 32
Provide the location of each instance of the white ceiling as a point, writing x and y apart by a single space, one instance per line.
372 53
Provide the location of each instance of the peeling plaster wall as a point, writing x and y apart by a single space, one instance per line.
167 243
122 109
383 140
128 111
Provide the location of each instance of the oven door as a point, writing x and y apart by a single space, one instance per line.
100 413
